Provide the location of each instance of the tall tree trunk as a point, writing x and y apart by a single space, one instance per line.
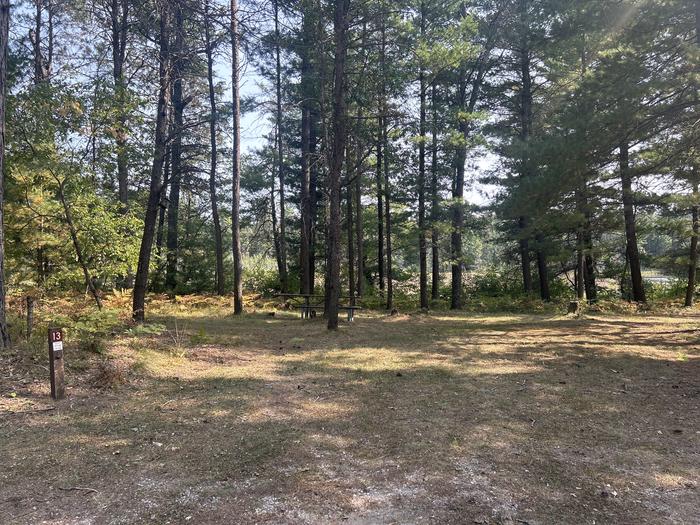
236 183
580 269
422 231
42 74
218 236
525 131
4 35
306 160
693 264
387 172
172 239
638 292
589 277
313 196
380 202
275 226
351 237
119 14
457 226
340 26
387 214
68 216
306 220
542 269
155 189
435 201
284 276
359 226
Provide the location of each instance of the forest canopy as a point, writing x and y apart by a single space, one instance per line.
417 153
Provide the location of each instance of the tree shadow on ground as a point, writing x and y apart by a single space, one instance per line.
406 421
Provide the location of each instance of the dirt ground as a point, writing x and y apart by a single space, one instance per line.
502 419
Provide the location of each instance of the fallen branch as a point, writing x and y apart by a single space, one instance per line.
87 490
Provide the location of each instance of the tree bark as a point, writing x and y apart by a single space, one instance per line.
542 269
422 231
435 202
4 35
387 213
580 269
42 74
457 226
351 237
284 275
589 276
525 131
172 239
218 237
89 283
387 172
236 182
693 259
119 14
340 25
306 215
380 203
638 292
359 226
155 189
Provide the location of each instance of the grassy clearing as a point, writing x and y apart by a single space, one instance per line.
408 419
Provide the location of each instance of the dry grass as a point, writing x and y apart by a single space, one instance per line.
406 419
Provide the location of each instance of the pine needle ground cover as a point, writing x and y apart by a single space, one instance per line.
203 418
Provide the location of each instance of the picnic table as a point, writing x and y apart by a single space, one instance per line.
309 303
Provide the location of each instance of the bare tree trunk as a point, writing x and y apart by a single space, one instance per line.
359 226
236 183
218 237
340 25
306 220
693 264
172 239
119 14
422 231
284 276
306 160
387 178
4 35
380 203
275 226
435 204
313 197
638 292
580 269
387 213
156 187
525 132
89 283
351 237
457 226
589 263
542 269
42 74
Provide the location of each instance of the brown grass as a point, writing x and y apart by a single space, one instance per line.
407 419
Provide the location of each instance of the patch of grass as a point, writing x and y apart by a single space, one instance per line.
449 415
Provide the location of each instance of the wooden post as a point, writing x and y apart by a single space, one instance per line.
58 385
30 316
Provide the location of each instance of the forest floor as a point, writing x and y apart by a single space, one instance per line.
441 418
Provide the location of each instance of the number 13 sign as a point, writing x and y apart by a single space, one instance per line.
58 388
56 339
